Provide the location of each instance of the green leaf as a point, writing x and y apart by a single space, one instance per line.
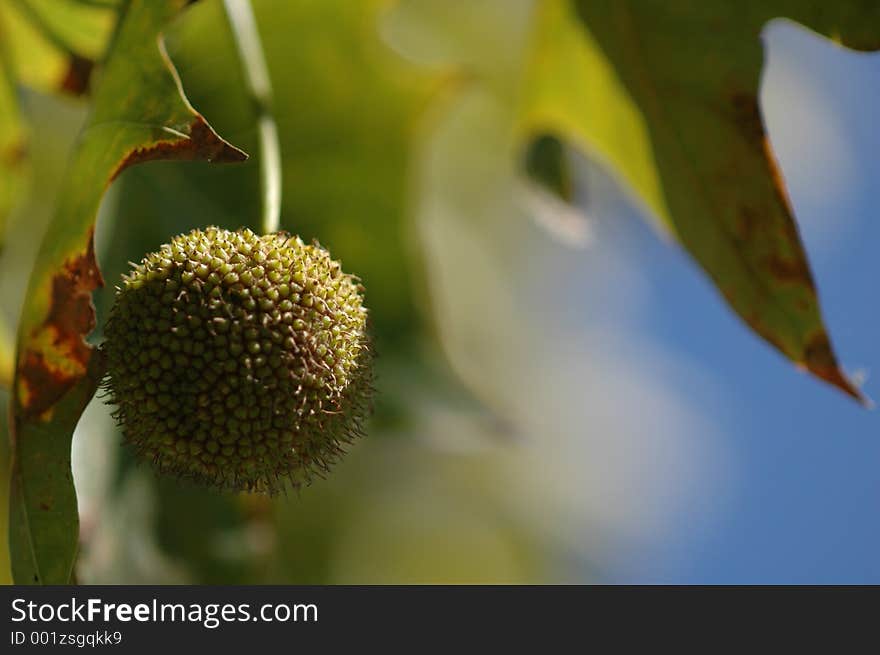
139 114
667 95
43 519
53 44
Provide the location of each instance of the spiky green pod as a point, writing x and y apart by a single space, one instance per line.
237 360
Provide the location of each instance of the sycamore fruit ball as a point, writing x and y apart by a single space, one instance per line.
239 361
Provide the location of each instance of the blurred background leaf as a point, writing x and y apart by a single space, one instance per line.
53 45
50 46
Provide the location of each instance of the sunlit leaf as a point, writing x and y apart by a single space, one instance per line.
50 46
139 114
53 44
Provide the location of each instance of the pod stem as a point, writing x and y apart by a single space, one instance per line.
240 14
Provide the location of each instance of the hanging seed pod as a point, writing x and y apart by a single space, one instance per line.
239 361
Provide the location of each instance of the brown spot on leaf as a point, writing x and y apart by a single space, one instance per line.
820 360
76 77
796 271
203 143
45 506
790 271
747 116
56 354
14 154
755 322
747 221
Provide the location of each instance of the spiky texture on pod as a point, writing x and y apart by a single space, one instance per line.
239 361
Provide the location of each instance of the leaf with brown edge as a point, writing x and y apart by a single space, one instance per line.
43 519
140 113
58 355
667 95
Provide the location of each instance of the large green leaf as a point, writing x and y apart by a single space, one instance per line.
139 114
667 94
43 519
